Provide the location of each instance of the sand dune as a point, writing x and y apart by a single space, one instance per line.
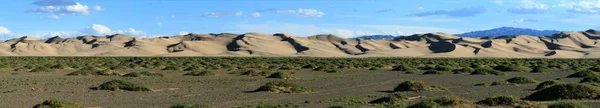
561 45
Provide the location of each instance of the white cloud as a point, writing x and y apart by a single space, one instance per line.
420 8
529 9
299 12
4 30
54 17
183 33
586 7
98 8
255 14
339 30
222 14
73 9
98 29
522 20
499 2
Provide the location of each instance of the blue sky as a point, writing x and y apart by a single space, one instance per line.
346 18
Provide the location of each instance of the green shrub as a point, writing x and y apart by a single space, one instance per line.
183 105
265 106
590 79
200 73
395 97
93 71
463 70
416 86
405 68
332 71
568 104
254 72
443 68
53 103
41 69
521 80
425 104
583 73
486 71
122 85
142 74
59 66
482 84
546 84
540 69
499 83
172 68
281 75
595 68
565 91
512 68
373 68
435 72
282 87
350 101
451 101
499 101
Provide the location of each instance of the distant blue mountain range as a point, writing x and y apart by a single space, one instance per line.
502 31
507 31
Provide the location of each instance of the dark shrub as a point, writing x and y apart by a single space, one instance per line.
512 68
565 91
122 85
41 69
451 101
435 72
590 79
52 103
255 72
443 68
141 74
583 73
282 87
93 71
540 69
395 97
486 71
200 73
568 104
416 86
546 84
499 101
173 68
463 70
281 75
183 105
405 68
521 80
428 103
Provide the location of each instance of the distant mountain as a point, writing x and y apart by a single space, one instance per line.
374 37
507 31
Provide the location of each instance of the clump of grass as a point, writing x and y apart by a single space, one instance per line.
482 84
266 106
443 68
122 85
183 105
350 101
590 79
428 103
583 73
199 73
255 72
500 101
41 69
463 70
417 86
512 68
53 103
59 66
405 68
565 91
521 80
142 74
173 68
93 71
332 71
540 69
395 97
432 72
452 101
373 68
282 87
282 75
499 83
568 104
546 84
487 71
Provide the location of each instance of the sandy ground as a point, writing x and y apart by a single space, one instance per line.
25 89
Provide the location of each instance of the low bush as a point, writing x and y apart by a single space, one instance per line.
540 69
434 72
546 84
282 87
255 72
512 68
463 70
122 85
93 71
568 104
428 103
583 73
452 101
183 105
416 86
499 101
487 71
443 68
53 103
41 69
590 79
281 75
142 74
172 68
395 97
521 80
565 91
200 73
405 68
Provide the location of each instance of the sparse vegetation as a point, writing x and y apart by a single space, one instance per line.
486 71
405 68
142 74
183 105
583 73
521 80
428 103
499 101
568 104
546 84
122 85
416 86
512 68
283 87
93 71
200 73
434 72
53 103
565 91
281 75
